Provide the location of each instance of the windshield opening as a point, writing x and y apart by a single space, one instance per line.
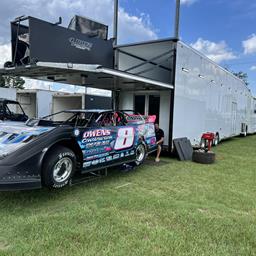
13 108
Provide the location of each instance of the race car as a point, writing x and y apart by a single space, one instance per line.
12 110
49 151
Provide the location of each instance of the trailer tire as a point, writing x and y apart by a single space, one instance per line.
203 157
246 129
58 167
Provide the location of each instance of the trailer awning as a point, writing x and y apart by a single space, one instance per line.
94 76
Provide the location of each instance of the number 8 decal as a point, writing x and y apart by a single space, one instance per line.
125 138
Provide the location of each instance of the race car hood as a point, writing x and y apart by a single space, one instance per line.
14 135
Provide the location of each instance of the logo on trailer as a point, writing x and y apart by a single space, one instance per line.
80 44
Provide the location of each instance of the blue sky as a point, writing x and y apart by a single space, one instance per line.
224 30
215 21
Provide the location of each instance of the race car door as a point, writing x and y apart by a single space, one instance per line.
107 143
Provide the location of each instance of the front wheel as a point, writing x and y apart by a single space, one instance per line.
58 167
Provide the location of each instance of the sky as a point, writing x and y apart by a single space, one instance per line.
223 30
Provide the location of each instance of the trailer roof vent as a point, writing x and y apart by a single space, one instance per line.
89 27
185 70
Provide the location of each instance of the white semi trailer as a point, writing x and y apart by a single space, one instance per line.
208 98
205 98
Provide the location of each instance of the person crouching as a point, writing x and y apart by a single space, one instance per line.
159 141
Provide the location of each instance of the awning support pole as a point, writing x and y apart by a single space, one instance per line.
177 20
115 24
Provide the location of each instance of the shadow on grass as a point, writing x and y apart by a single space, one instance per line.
31 198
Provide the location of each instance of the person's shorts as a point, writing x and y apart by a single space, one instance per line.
160 145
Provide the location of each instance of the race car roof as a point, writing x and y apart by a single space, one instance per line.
94 76
86 110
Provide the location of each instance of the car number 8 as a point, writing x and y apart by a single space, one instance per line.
125 138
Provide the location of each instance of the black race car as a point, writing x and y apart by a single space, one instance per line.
49 151
12 110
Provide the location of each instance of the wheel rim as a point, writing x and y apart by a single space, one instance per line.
140 153
62 169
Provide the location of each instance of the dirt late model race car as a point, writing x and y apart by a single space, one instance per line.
49 151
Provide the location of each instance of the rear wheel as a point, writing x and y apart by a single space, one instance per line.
141 153
58 167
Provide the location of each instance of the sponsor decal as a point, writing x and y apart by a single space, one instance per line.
109 158
80 44
96 133
62 155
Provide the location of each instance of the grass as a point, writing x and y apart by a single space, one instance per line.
174 208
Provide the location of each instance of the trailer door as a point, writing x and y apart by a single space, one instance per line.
234 117
154 106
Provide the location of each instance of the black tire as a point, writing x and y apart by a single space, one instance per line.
203 157
58 167
141 153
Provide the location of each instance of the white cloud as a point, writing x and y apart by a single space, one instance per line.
217 52
250 45
132 28
253 68
5 53
188 2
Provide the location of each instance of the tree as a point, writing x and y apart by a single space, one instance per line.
12 82
243 76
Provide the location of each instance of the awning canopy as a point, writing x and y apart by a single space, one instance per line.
94 76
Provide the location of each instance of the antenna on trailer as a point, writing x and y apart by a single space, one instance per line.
115 24
177 20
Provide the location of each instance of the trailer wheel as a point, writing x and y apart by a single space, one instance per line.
58 167
203 157
246 129
141 154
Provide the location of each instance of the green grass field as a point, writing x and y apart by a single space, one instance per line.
171 208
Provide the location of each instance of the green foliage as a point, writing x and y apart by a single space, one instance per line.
171 208
12 82
243 76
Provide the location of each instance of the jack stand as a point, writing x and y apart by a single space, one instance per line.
88 177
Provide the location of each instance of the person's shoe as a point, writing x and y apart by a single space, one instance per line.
157 160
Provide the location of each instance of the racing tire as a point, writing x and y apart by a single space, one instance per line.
58 167
140 153
203 157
